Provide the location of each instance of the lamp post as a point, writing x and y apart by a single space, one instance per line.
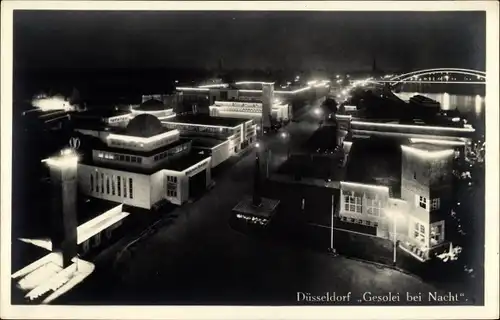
394 215
332 249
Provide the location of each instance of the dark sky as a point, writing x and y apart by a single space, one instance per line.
335 40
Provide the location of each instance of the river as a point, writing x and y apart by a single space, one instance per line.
471 106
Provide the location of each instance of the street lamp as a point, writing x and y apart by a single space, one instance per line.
394 217
284 135
332 249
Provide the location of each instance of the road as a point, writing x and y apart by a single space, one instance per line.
199 259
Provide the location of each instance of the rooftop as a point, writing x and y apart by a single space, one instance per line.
323 139
316 167
92 143
206 120
180 163
151 105
203 142
375 162
89 208
102 112
429 146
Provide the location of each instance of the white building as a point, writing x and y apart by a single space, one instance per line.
141 164
240 133
249 110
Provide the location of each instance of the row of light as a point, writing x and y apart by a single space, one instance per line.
120 137
429 154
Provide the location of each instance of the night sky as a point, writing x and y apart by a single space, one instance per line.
247 40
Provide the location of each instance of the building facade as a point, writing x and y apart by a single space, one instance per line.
142 164
412 210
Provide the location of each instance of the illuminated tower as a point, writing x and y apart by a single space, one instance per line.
426 186
267 104
63 175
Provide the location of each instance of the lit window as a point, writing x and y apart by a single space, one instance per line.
422 202
419 232
124 187
130 188
100 155
437 233
435 203
102 182
374 207
119 185
352 203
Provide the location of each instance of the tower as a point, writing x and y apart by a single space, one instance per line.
267 104
426 186
63 176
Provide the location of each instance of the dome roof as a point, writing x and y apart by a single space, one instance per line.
151 105
144 125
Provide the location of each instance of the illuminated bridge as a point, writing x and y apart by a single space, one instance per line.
436 75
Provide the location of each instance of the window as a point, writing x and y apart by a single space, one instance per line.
97 182
91 183
127 158
102 182
414 174
419 232
352 203
125 187
435 203
139 160
119 185
374 207
437 233
107 184
100 155
113 189
422 202
130 188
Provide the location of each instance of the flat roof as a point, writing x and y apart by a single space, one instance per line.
323 138
206 120
101 112
185 162
180 163
375 162
316 167
204 142
97 144
430 146
89 208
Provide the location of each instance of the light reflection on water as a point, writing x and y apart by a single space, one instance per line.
471 106
464 103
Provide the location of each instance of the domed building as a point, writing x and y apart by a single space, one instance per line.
153 107
143 163
144 125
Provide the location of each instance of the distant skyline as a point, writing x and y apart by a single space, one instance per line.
280 40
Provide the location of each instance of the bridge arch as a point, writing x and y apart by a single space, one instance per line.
470 72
